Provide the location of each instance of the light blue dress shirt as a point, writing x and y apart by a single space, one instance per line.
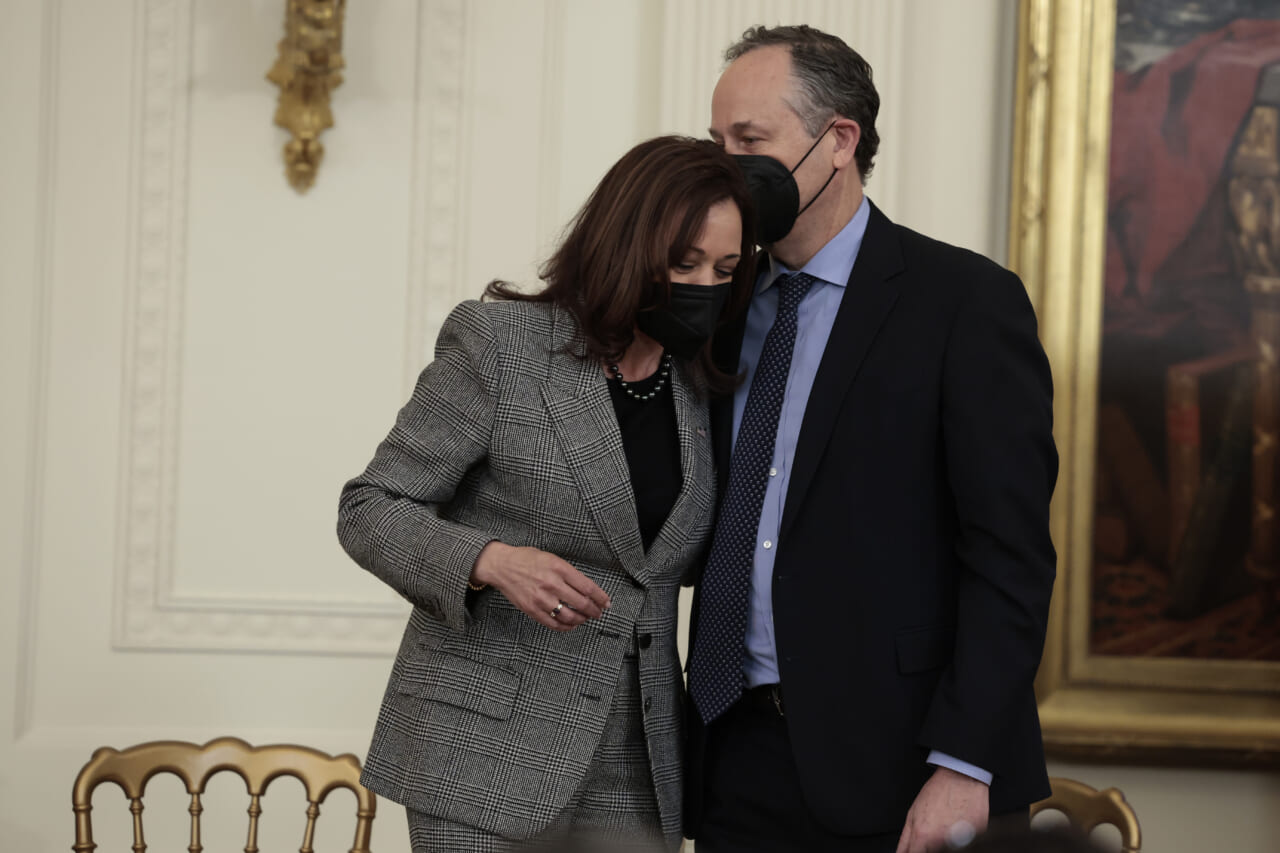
831 266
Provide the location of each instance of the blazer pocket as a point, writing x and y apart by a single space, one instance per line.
923 649
465 683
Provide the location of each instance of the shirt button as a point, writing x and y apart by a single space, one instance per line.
773 472
767 544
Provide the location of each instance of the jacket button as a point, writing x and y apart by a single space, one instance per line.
646 640
648 704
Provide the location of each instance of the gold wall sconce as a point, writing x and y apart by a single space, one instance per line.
307 69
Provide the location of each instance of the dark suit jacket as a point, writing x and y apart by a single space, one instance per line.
914 565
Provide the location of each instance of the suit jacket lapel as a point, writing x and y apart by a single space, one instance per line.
582 417
726 349
868 299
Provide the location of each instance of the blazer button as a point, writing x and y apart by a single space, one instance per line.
648 704
646 640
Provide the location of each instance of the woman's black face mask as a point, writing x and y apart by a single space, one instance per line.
684 325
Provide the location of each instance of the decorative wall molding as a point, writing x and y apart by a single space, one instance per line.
28 591
439 162
147 615
152 328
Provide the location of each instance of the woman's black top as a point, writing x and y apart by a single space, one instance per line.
653 450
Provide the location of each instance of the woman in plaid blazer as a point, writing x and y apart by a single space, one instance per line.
539 501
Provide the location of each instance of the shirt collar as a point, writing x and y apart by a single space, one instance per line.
834 261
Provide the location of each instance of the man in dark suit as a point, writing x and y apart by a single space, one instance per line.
871 616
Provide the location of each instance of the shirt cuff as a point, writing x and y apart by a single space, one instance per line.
941 759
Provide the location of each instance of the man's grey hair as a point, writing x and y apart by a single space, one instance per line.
832 80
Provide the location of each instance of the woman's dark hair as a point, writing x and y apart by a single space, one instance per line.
642 219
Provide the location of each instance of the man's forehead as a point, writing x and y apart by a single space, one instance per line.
756 69
754 84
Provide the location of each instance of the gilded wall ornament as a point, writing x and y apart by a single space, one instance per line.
307 70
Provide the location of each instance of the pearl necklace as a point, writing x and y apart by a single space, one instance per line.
663 372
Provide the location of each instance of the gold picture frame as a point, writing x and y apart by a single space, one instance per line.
1099 707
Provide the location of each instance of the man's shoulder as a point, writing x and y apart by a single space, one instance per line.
953 281
923 253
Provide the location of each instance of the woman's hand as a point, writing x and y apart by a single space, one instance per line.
538 583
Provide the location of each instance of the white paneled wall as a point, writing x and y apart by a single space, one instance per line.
193 358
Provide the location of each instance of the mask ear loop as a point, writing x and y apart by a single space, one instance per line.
818 193
806 157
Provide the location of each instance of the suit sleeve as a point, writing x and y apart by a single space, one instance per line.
1001 463
389 517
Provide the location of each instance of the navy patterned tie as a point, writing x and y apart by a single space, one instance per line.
716 679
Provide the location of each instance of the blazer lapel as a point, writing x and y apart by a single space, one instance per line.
696 492
868 299
586 428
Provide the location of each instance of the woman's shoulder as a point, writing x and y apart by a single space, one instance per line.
517 331
504 318
520 316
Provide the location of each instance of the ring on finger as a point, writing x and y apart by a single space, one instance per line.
555 611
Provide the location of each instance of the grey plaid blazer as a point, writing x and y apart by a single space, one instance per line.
490 719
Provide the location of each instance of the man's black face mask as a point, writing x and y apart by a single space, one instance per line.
774 192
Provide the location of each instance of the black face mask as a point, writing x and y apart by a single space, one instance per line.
685 325
774 192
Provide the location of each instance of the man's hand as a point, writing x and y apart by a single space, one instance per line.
945 800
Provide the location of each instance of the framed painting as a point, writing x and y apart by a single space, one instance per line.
1145 222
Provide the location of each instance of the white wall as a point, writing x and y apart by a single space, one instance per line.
193 358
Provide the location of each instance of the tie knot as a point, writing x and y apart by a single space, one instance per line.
793 288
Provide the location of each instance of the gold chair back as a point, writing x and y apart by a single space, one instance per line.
1087 808
132 768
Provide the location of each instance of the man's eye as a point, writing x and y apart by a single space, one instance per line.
750 140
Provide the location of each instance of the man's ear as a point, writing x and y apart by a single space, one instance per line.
847 133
